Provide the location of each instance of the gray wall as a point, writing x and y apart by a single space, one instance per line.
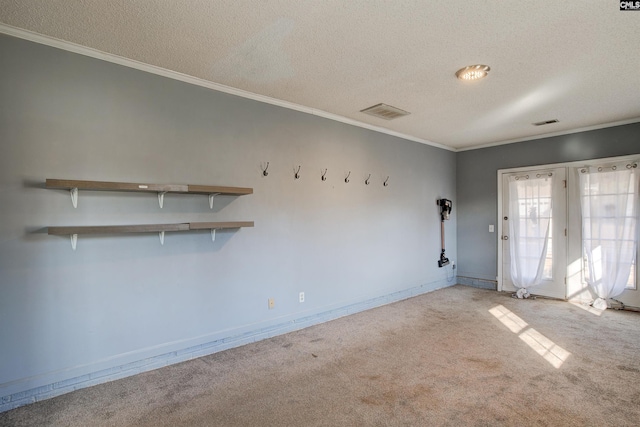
122 299
477 184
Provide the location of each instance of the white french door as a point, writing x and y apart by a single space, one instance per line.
537 198
604 205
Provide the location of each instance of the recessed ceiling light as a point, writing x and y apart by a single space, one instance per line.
472 72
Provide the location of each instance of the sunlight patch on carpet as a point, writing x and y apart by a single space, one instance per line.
550 351
587 308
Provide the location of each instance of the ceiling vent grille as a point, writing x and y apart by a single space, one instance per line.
546 122
384 111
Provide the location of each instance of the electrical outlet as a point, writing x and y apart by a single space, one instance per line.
272 303
301 297
453 265
491 228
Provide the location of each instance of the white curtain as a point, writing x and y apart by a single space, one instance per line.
609 201
529 230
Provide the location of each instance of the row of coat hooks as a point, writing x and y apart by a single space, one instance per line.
323 175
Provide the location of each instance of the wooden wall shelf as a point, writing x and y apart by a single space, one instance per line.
214 189
68 184
219 225
211 190
74 231
117 229
146 228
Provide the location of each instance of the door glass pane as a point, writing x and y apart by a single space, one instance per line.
532 226
609 218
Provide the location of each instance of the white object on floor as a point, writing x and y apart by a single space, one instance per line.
600 304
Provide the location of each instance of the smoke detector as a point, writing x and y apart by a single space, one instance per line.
384 111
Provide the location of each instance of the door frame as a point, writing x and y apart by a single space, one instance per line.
570 241
558 281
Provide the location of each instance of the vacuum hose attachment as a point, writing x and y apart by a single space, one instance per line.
445 210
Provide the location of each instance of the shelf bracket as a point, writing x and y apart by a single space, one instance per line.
211 196
74 196
74 241
161 235
213 234
161 198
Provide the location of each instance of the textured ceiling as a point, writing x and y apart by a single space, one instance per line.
573 61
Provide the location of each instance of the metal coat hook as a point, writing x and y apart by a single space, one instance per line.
347 178
366 181
297 174
324 175
264 171
386 182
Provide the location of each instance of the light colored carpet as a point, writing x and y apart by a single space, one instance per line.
457 356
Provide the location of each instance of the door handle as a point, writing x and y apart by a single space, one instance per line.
505 237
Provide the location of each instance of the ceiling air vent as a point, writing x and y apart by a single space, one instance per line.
546 122
385 111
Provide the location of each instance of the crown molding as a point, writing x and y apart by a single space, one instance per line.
552 134
131 63
109 57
